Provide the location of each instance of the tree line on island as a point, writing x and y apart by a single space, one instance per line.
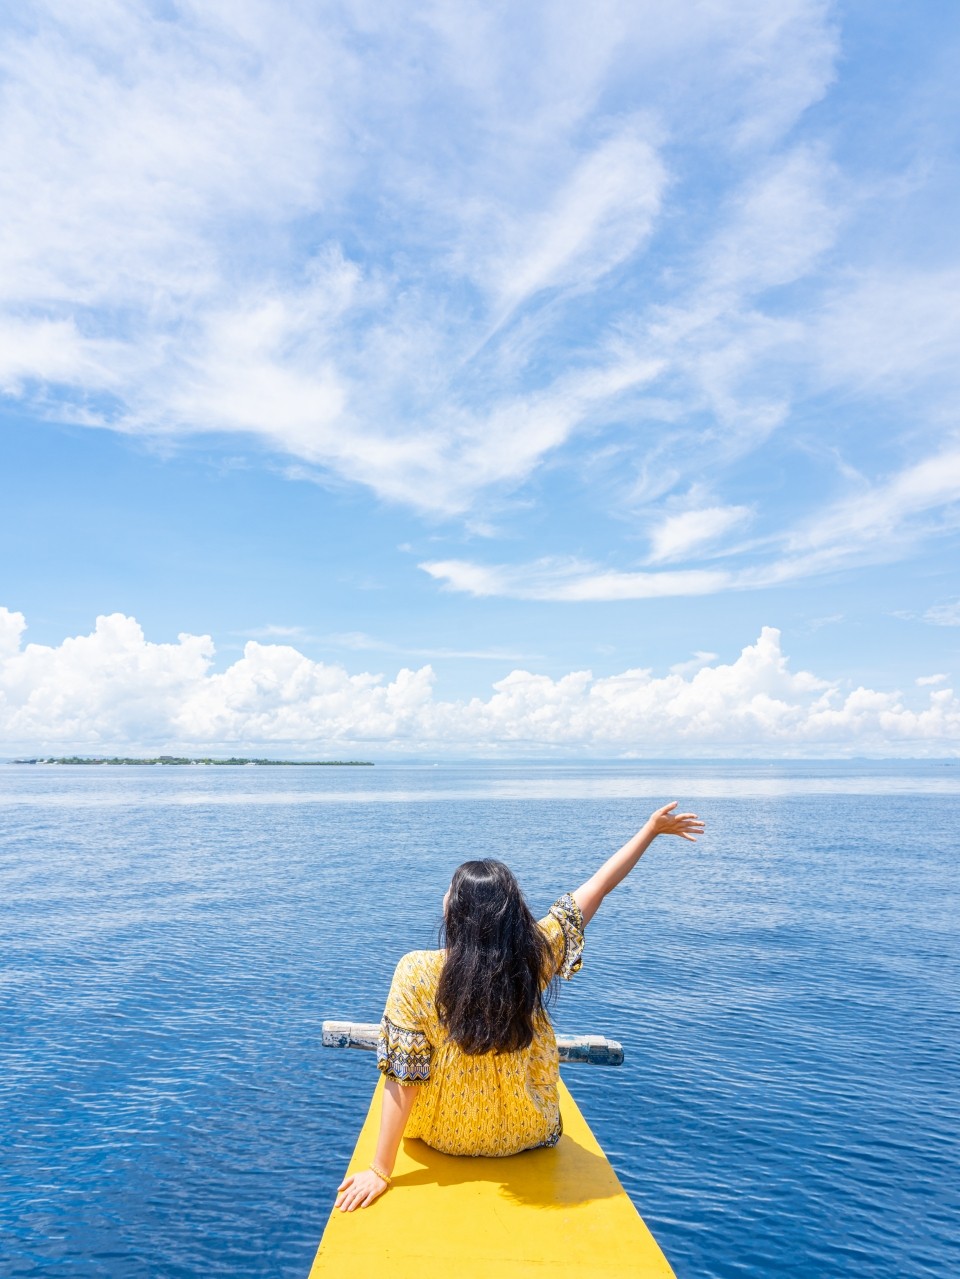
183 759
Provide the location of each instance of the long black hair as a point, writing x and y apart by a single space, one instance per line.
493 985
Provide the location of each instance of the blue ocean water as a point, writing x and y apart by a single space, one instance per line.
787 993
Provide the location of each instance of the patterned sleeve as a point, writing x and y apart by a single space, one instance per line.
403 1050
563 927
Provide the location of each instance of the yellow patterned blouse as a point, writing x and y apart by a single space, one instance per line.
493 1104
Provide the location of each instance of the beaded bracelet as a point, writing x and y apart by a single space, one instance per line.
381 1174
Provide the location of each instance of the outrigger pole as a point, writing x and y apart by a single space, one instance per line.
589 1050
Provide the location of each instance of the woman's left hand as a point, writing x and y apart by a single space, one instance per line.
359 1190
665 821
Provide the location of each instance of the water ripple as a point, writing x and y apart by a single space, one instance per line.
787 994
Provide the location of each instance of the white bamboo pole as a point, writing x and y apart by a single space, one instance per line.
592 1050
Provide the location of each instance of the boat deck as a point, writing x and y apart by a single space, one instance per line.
560 1210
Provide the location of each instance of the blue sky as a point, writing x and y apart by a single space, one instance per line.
546 339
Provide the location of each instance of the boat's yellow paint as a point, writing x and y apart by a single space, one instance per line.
561 1211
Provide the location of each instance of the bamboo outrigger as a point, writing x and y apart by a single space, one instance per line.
560 1209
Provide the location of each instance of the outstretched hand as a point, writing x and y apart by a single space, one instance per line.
359 1190
667 822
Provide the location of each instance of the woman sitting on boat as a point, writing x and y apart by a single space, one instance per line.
466 1045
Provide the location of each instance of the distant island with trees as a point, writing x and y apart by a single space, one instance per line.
183 759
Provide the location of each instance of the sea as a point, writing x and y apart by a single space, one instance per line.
787 993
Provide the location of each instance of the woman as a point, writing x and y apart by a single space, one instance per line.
466 1046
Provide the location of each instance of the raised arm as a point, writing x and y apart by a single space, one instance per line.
663 822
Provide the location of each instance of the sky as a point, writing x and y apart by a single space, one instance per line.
540 380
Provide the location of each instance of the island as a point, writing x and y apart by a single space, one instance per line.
183 759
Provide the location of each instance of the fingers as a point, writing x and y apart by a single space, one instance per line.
346 1191
687 825
358 1192
350 1200
359 1199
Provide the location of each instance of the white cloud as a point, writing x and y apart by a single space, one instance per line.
601 216
891 332
924 681
280 225
112 678
677 534
272 630
360 642
944 614
12 626
570 580
700 659
881 522
116 690
777 227
880 519
51 351
216 157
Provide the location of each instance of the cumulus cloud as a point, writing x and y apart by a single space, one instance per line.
116 690
699 659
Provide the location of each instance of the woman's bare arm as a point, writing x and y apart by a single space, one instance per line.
663 822
361 1188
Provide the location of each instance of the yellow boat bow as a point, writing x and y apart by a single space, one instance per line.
560 1210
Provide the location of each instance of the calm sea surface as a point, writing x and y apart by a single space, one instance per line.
787 993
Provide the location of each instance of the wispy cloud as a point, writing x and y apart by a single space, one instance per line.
601 215
944 614
274 631
879 524
695 663
454 219
358 641
570 581
444 259
677 535
891 333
